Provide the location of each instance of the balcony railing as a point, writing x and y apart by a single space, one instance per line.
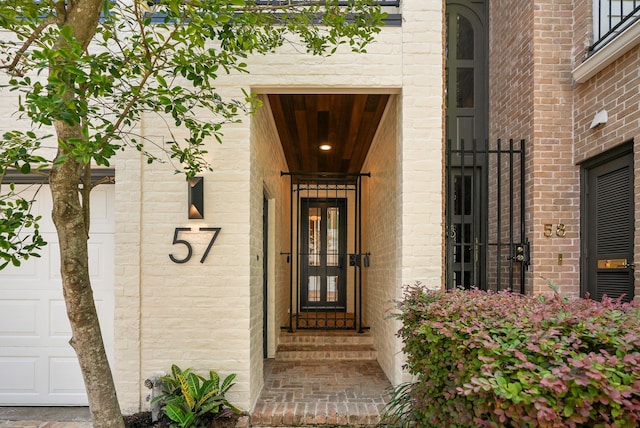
391 7
610 18
395 3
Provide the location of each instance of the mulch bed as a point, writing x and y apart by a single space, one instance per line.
143 420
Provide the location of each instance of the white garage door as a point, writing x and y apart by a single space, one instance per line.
37 364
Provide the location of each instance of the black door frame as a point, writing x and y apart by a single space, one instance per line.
322 269
466 140
466 231
265 275
588 269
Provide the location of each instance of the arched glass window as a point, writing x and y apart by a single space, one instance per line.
465 38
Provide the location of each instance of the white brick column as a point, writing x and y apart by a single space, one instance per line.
421 148
128 210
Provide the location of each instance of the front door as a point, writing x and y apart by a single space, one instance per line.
608 227
323 255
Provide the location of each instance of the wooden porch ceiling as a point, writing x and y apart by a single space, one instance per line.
347 122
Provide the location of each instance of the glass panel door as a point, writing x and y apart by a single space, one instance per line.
465 257
323 254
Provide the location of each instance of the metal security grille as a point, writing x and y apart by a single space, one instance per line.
486 246
326 257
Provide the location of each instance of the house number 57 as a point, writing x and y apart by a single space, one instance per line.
178 241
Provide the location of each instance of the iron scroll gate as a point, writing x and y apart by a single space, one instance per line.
486 245
326 257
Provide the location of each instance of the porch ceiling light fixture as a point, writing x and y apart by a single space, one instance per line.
196 198
600 118
325 147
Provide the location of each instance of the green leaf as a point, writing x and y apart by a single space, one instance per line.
161 80
66 32
174 413
226 384
568 411
215 378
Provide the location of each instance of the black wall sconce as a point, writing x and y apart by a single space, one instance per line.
196 197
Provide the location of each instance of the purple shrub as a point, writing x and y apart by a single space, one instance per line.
502 359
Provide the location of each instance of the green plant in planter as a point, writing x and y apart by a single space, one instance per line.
188 399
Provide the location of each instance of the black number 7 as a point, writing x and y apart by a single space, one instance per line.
216 231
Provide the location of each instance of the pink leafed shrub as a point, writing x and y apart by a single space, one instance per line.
501 359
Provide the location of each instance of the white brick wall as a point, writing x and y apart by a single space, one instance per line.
126 369
267 159
421 151
381 205
210 315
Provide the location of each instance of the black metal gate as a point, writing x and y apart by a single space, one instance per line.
486 244
326 257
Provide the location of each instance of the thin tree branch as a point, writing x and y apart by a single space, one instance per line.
153 67
107 179
136 11
11 67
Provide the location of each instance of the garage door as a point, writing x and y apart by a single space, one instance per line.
37 364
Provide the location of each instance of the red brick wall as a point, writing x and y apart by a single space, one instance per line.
583 29
531 97
615 89
510 70
510 113
554 177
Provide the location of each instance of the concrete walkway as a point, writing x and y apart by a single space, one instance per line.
45 417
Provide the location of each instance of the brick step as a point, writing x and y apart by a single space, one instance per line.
321 414
310 352
325 338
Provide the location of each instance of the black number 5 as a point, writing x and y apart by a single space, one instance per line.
215 230
183 242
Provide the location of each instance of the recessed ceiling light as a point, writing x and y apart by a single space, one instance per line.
325 147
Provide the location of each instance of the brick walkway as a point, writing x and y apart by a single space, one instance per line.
297 393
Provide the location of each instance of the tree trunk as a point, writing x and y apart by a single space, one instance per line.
72 227
86 337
